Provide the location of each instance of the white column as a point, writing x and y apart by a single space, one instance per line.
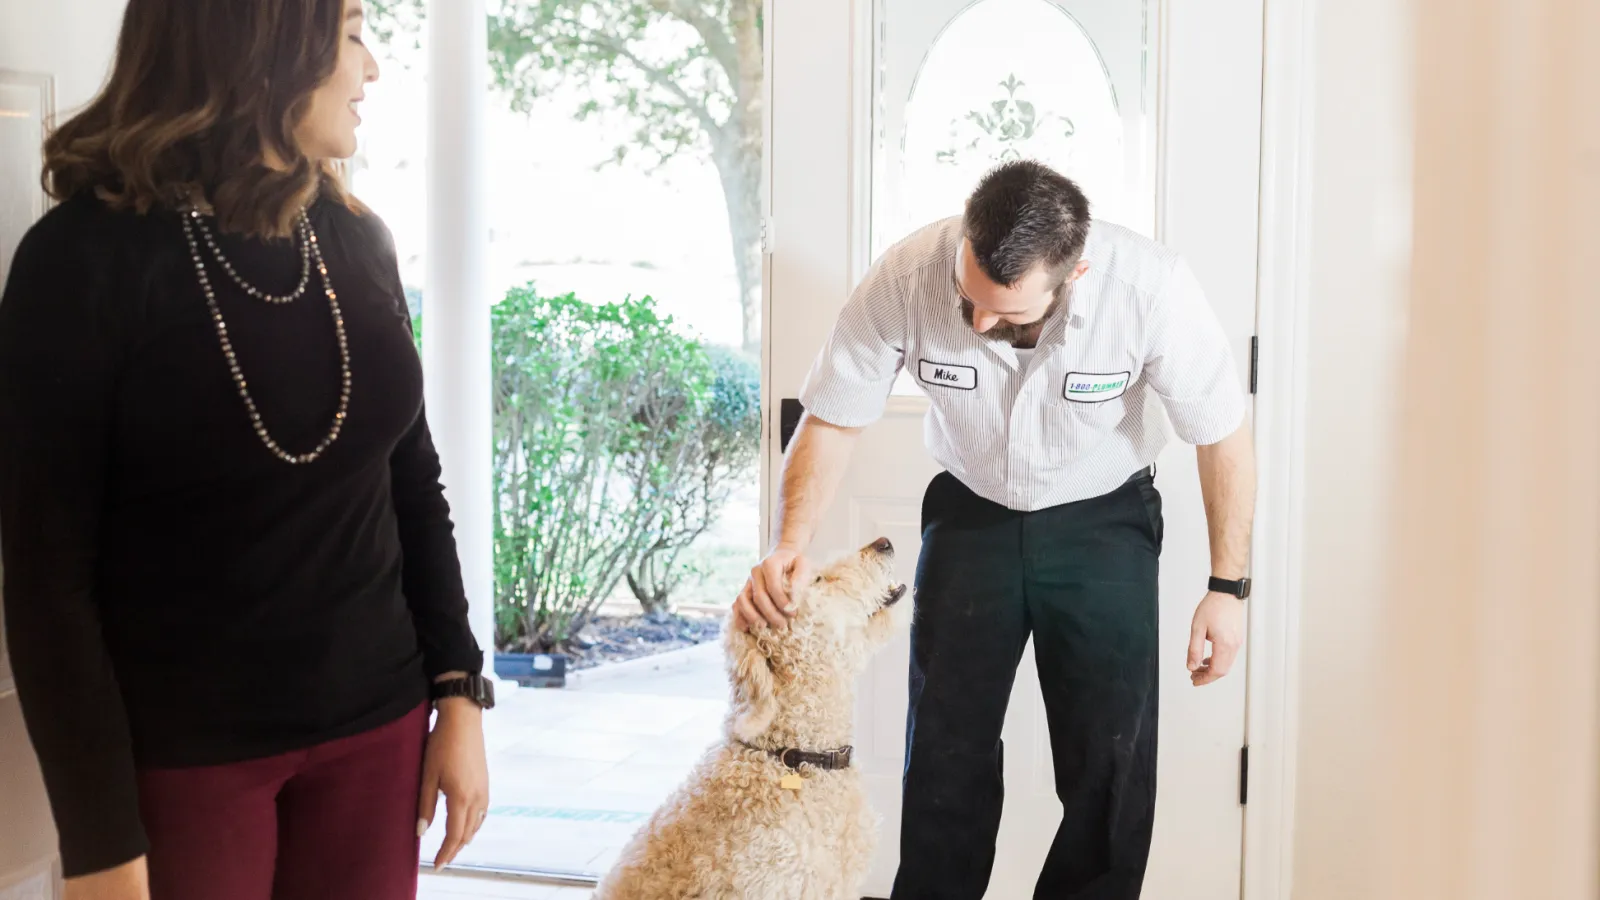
455 318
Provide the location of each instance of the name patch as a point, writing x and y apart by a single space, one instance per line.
1092 387
963 378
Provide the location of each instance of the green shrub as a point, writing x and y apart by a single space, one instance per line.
580 443
617 442
688 473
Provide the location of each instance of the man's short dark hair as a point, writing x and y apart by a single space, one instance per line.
1024 214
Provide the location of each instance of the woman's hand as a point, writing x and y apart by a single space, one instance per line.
129 881
455 763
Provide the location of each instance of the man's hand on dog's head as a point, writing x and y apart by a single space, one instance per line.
767 597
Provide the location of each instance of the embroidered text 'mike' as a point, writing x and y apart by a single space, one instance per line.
946 375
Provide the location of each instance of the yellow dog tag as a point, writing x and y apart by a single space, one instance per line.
792 782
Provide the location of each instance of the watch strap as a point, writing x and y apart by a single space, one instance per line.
476 688
1240 588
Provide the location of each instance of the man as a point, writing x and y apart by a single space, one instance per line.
1043 344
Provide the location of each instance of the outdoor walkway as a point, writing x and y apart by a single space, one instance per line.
575 771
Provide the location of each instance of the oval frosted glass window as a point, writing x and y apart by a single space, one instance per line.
1008 79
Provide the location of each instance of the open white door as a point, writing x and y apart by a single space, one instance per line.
882 113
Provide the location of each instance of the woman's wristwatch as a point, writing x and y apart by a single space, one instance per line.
476 688
1240 588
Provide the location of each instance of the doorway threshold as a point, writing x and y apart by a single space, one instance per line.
517 874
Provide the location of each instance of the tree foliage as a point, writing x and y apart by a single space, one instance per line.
617 441
688 73
690 472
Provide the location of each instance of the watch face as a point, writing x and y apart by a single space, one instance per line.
483 692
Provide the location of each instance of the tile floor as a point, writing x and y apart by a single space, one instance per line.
575 771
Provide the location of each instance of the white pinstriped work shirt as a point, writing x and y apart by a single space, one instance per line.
1074 420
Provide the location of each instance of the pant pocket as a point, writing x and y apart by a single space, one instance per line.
934 499
1150 501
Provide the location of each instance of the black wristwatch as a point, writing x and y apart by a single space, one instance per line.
476 688
1240 588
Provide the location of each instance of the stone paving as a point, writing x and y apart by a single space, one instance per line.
575 771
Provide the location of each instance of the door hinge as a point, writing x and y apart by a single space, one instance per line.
1244 775
766 235
1255 360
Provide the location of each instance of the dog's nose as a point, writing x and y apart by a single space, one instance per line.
882 545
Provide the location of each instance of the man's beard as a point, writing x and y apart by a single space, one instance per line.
1007 332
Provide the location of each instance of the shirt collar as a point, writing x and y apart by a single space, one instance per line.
1082 303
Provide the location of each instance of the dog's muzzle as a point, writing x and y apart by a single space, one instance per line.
894 596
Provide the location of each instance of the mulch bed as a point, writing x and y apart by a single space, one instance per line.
610 639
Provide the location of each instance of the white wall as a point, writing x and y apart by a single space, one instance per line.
73 41
1358 269
70 39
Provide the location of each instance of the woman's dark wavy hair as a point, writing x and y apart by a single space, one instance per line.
200 91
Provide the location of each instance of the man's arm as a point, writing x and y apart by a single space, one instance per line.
846 389
812 471
1228 484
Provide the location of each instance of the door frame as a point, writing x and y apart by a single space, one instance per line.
1283 294
1282 301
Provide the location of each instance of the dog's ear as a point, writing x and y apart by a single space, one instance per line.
755 689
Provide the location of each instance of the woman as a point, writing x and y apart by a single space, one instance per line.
231 584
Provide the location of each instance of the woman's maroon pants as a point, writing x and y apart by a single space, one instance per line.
336 821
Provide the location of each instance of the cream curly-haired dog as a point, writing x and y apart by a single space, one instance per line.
775 811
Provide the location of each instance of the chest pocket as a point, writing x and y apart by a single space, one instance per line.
1084 407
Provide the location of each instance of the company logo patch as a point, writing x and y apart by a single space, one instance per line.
963 378
1091 387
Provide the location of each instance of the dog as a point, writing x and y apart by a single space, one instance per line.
776 811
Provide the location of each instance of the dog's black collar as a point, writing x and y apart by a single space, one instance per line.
828 760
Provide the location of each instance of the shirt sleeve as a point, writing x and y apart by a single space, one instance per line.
430 567
431 570
852 376
57 371
1190 364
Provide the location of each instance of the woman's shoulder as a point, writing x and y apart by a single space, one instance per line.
84 233
356 223
86 260
362 239
87 210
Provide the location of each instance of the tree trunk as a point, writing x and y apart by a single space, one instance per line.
651 596
741 191
737 150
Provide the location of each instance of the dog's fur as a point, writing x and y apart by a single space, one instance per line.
731 832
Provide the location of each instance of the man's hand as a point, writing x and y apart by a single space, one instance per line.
1228 484
816 461
1219 619
457 765
129 881
766 596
